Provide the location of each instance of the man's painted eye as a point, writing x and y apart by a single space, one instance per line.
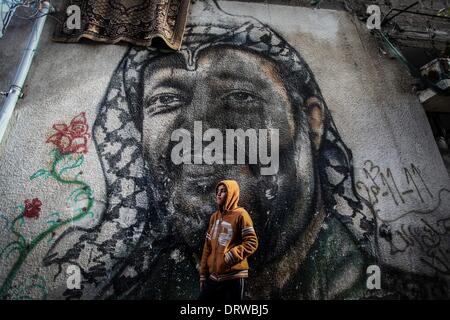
167 99
241 97
165 102
242 100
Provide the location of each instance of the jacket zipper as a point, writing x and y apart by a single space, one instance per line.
217 242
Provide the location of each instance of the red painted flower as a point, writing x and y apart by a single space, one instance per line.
32 208
71 138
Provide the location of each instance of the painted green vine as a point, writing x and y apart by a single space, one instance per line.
71 142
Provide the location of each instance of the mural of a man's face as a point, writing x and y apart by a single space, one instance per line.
233 72
229 88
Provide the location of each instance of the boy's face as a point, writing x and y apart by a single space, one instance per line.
221 195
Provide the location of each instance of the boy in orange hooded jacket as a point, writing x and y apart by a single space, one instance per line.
230 239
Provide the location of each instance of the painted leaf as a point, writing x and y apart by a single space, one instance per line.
72 165
40 173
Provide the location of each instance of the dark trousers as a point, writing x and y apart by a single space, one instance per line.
227 290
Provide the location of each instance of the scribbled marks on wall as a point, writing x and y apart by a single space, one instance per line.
428 238
422 234
381 185
66 160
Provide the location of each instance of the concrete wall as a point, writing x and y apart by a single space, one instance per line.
87 185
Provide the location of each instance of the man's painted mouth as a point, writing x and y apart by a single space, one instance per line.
203 178
198 171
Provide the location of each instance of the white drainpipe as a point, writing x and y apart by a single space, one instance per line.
15 90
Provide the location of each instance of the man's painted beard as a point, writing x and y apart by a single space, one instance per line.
184 196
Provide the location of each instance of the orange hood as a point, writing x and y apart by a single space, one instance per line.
231 202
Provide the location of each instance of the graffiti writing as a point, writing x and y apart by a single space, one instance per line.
429 235
382 184
430 239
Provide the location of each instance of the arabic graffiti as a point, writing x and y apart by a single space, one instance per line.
381 184
422 233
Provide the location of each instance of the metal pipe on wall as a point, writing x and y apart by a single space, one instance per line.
15 90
